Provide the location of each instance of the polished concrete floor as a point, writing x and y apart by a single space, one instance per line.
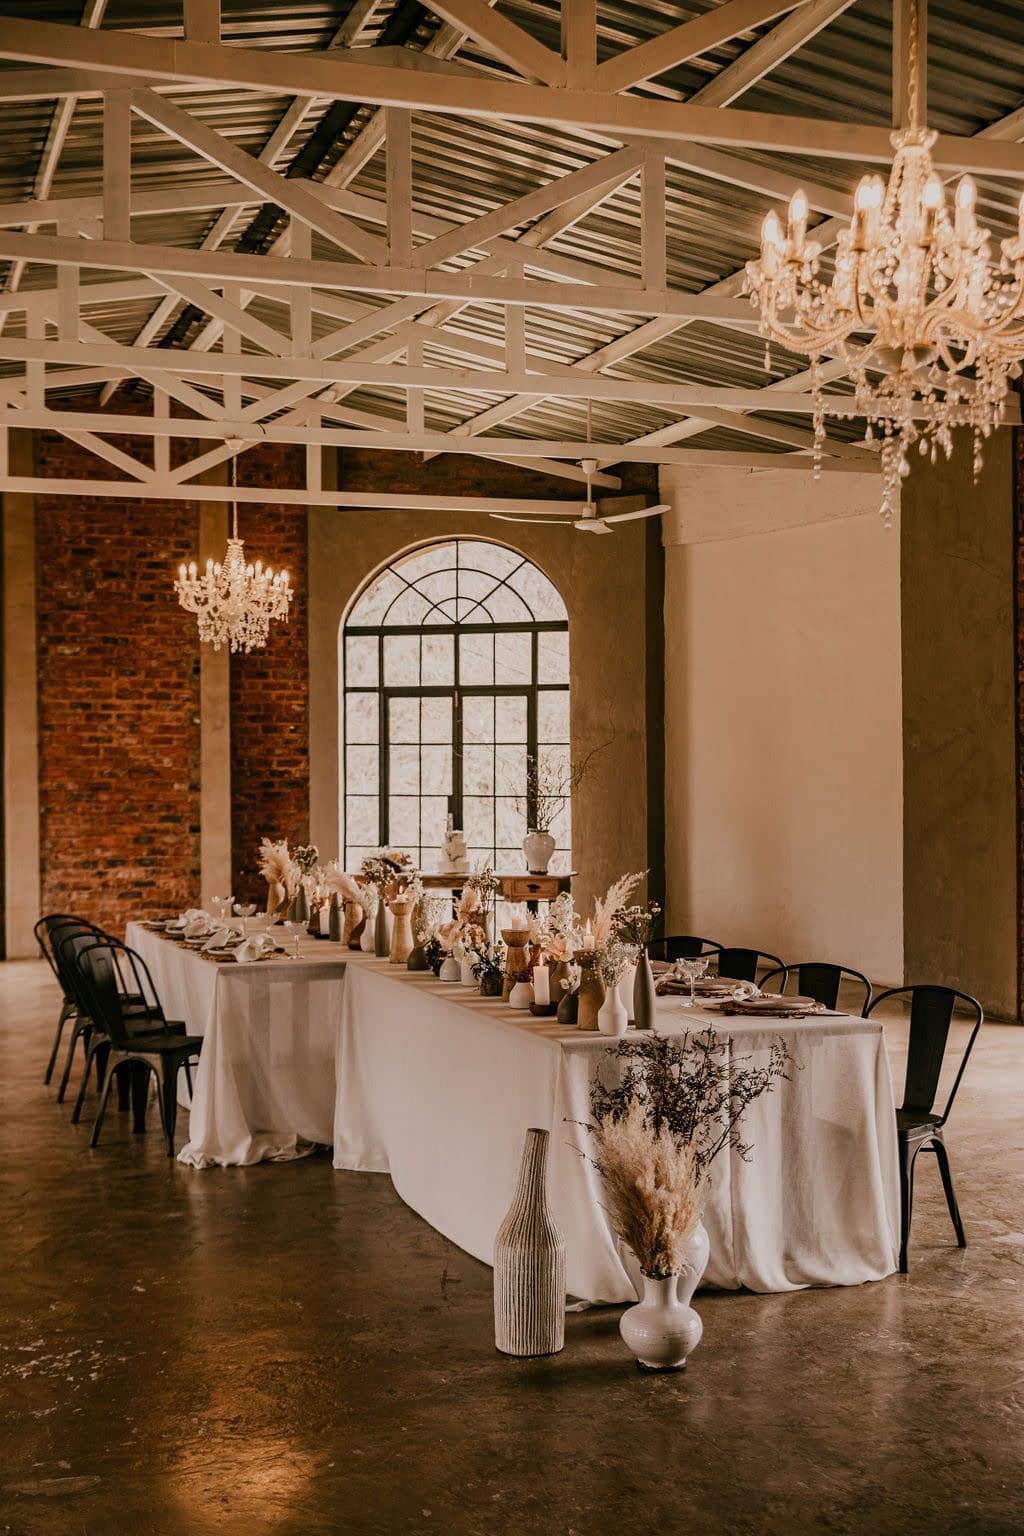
289 1351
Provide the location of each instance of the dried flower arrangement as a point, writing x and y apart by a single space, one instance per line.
489 960
380 868
433 954
635 925
614 960
333 879
678 1102
550 783
430 914
485 883
277 865
307 857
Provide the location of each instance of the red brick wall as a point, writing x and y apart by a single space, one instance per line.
118 701
269 688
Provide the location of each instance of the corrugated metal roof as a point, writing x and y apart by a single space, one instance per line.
464 168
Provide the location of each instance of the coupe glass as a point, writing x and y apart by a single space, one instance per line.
245 909
295 929
691 970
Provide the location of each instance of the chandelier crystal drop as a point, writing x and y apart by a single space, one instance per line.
931 328
234 602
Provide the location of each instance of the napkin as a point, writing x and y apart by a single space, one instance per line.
197 928
254 949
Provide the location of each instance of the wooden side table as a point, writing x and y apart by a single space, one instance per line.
515 888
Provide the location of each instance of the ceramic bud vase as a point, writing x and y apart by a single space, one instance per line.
277 897
612 1018
298 911
381 939
417 960
568 1008
521 995
538 848
366 937
644 995
450 970
529 1264
662 1330
591 990
491 985
401 930
355 922
625 990
335 920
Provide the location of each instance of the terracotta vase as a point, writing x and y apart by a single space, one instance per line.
591 990
355 922
517 960
401 930
529 1264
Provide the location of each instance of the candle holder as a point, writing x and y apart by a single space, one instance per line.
401 931
591 989
517 961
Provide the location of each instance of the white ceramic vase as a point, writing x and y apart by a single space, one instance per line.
366 937
612 1018
466 974
662 1330
521 995
626 981
450 970
538 848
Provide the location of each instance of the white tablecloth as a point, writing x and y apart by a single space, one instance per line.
437 1087
264 1086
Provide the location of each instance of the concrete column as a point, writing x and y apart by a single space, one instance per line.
214 730
21 730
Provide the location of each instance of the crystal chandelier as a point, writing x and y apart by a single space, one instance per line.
936 326
233 601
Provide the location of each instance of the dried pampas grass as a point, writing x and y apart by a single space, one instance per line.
605 911
277 865
654 1190
338 883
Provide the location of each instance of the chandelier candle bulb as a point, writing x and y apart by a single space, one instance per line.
965 198
798 209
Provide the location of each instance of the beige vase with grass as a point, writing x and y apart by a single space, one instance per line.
663 1329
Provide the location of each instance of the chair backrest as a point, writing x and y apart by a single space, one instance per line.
821 980
681 946
57 928
931 1014
743 964
108 972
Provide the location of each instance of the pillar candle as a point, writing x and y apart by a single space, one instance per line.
541 985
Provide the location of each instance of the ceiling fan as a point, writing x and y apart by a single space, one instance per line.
587 520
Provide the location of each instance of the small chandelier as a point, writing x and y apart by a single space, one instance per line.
233 601
915 289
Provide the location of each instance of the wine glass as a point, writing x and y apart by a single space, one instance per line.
691 969
295 928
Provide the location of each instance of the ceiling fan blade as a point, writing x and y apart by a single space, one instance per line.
628 517
542 522
591 525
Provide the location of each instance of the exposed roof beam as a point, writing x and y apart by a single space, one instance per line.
466 285
687 41
770 50
347 74
503 39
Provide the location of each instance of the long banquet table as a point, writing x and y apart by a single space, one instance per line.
436 1086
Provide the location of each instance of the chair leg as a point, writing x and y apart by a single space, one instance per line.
942 1158
66 1012
78 1030
140 1094
95 1050
188 1078
105 1095
907 1155
168 1079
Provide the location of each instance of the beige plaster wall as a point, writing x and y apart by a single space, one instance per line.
783 728
602 580
21 733
958 682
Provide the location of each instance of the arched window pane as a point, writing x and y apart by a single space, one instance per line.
456 671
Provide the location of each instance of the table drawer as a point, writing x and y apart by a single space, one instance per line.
530 887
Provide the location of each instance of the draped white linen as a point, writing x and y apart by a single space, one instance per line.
264 1086
436 1086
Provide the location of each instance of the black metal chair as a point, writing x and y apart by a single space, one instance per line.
44 931
147 1040
61 931
681 946
918 1127
743 964
821 980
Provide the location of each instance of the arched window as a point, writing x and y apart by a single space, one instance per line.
455 669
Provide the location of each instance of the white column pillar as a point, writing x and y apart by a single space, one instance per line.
214 728
21 726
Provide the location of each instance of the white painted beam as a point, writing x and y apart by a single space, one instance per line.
772 49
503 39
687 41
347 74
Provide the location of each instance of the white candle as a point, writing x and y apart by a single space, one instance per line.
589 941
325 917
541 985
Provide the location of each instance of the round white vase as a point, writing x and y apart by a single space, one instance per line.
626 981
466 973
366 939
662 1330
538 848
521 995
612 1018
450 970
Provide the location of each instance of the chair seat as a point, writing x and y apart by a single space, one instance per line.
163 1045
173 1027
915 1123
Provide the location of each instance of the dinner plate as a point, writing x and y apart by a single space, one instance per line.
772 1004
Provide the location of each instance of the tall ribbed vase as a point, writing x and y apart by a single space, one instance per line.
529 1264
